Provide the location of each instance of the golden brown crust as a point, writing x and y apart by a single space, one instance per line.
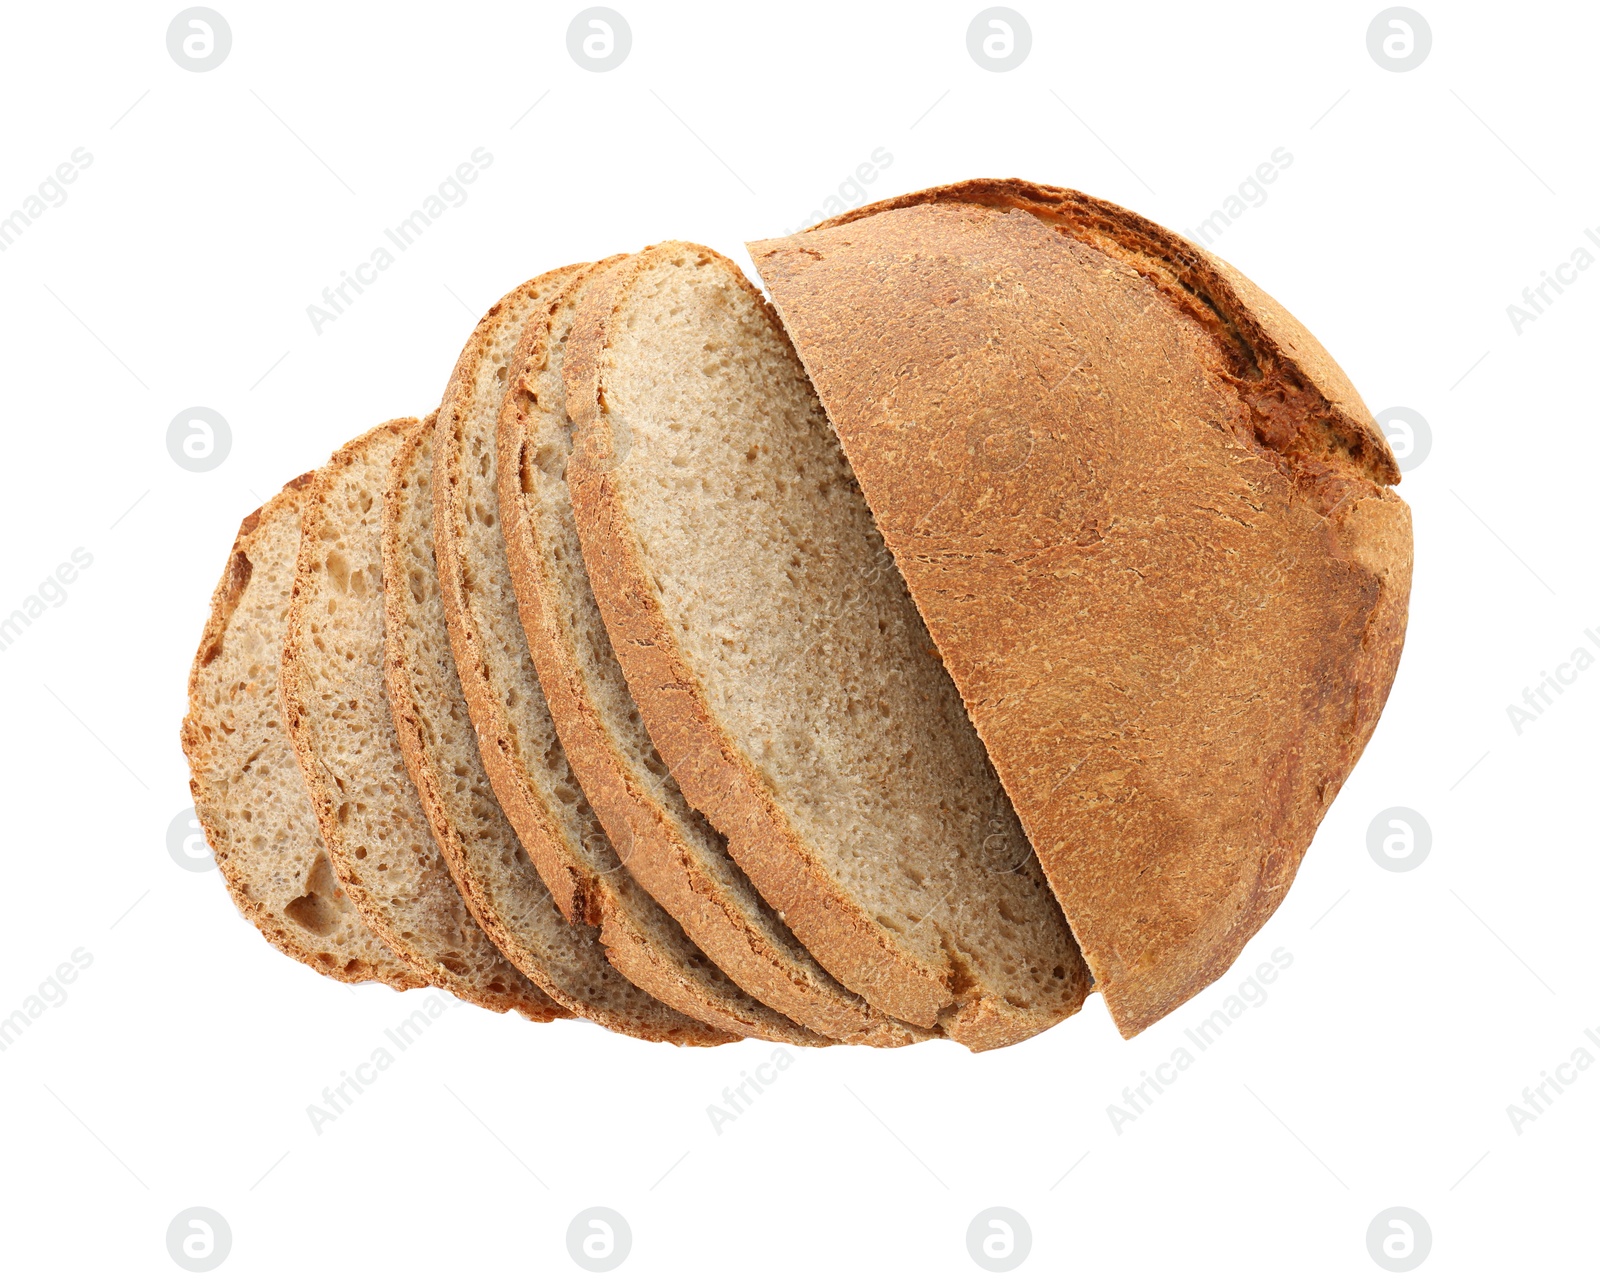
666 1024
714 775
524 997
1147 521
1283 369
197 739
582 896
645 834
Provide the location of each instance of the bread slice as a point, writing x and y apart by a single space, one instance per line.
782 669
344 738
668 847
1149 523
247 789
490 867
521 751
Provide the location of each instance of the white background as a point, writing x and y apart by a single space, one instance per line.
178 271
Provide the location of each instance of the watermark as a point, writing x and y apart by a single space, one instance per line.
199 39
51 593
199 439
50 194
599 1239
850 193
599 39
1409 435
1538 297
199 1239
999 39
50 994
999 1239
737 1096
337 1098
1250 994
604 452
1251 193
1399 839
186 842
1399 39
1399 1239
449 194
1538 1098
1540 698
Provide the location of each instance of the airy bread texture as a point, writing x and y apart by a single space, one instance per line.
782 669
248 792
532 778
338 716
670 849
490 867
1148 522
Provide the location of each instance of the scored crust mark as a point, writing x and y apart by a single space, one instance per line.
344 738
668 847
1175 607
780 667
521 750
490 867
248 793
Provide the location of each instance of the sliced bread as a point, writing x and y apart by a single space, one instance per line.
668 847
248 792
520 748
781 667
491 868
344 737
1150 525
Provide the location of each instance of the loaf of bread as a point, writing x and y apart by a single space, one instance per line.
990 617
1150 526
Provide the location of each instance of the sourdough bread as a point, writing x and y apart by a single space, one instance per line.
669 848
490 867
780 666
1149 524
337 712
247 788
520 748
